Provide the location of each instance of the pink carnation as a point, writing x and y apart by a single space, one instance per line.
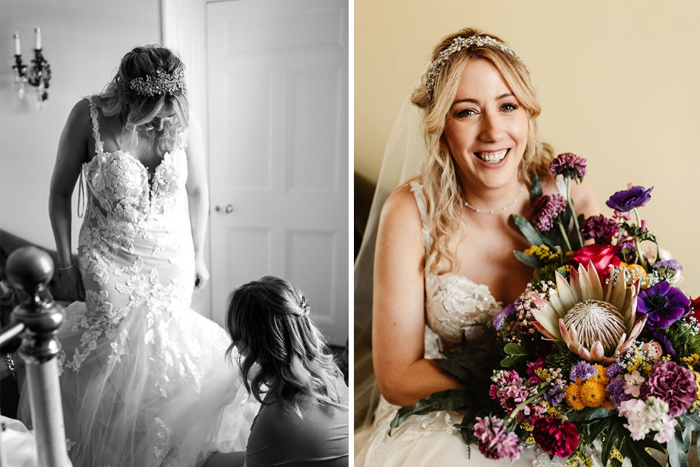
673 384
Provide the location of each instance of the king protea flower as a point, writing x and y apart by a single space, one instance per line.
598 323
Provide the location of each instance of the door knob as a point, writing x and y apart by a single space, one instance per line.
228 209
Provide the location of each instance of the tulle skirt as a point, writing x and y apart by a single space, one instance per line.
426 441
153 390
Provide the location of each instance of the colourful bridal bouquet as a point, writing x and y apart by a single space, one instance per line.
600 353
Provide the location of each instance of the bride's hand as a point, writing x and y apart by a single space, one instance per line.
201 274
73 283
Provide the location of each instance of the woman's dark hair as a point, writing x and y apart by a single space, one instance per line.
280 349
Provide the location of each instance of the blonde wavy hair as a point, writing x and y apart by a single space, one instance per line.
441 184
140 112
280 349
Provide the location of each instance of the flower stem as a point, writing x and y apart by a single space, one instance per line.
570 203
540 391
563 234
642 259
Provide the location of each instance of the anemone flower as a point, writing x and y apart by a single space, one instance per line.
597 323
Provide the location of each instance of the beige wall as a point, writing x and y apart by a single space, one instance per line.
619 84
83 41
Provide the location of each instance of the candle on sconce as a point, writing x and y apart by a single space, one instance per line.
18 50
37 43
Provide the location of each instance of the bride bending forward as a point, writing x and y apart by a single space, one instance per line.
445 241
144 378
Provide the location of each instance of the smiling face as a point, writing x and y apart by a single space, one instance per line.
486 129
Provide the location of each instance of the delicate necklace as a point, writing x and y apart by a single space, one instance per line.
495 210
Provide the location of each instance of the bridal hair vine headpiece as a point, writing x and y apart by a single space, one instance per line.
304 306
163 83
459 43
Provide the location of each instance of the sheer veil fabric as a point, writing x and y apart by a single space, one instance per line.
403 159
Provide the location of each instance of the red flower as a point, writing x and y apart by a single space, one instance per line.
695 308
602 257
556 436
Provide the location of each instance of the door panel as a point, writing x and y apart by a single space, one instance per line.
278 119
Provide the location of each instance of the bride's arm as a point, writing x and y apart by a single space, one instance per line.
398 323
198 196
72 152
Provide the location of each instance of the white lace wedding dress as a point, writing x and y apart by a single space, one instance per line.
144 378
452 302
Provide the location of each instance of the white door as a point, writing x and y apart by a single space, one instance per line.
278 119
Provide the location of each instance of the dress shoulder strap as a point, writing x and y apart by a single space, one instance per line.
95 127
417 190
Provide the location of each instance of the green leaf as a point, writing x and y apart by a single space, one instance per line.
514 349
612 439
597 427
510 361
590 414
531 234
675 446
444 400
535 188
635 451
528 259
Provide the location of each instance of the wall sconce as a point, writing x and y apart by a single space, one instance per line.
39 72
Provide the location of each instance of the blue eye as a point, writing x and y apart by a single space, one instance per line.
466 113
509 107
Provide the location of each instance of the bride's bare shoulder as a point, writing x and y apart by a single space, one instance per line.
401 206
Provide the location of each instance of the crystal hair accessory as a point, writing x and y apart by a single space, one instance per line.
161 84
459 43
304 306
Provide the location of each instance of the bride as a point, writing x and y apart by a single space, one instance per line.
445 241
144 379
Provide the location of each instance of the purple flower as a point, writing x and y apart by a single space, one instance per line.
665 342
614 370
616 389
569 165
673 384
663 304
668 264
626 200
583 370
545 210
500 318
599 228
555 395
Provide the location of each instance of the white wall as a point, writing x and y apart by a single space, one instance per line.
617 81
83 42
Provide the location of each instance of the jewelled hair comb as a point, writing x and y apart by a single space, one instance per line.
163 83
459 43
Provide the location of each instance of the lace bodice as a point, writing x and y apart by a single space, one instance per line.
452 301
123 189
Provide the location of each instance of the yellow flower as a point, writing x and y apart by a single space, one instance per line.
592 393
573 397
601 377
607 404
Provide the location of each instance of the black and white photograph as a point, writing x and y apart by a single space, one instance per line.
174 205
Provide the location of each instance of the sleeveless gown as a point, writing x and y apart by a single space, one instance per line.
144 378
452 302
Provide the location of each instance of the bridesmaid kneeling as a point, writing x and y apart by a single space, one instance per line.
286 365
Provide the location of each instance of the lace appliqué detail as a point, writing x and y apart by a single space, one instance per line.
454 303
165 450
